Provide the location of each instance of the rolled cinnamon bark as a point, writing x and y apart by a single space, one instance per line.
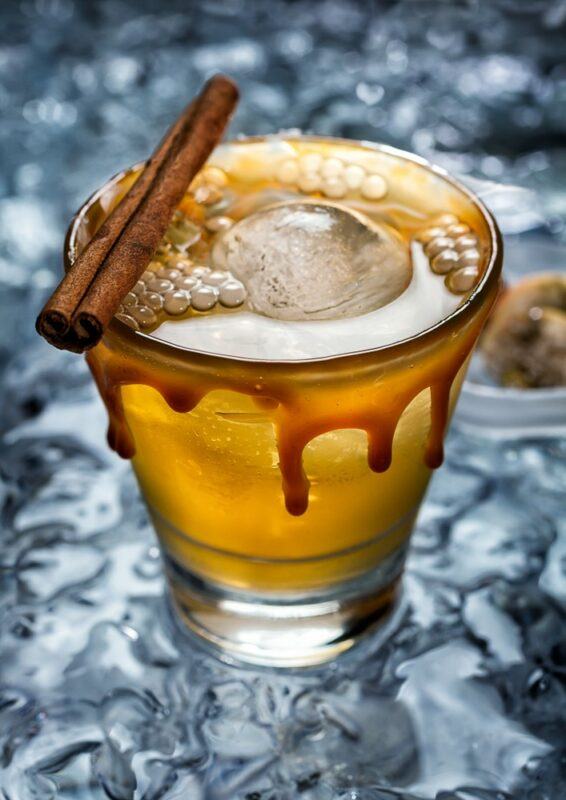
75 316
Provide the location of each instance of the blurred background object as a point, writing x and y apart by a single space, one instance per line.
466 701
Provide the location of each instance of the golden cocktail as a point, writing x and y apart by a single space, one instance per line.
283 464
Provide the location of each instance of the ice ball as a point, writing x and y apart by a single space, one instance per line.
314 260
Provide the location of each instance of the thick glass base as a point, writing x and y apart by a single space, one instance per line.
285 630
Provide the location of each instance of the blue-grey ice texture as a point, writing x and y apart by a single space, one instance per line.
467 699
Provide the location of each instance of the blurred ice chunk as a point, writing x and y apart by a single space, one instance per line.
121 73
438 687
553 577
495 74
515 208
494 539
80 497
28 228
44 572
236 56
496 628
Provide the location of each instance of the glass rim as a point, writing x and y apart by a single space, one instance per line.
460 314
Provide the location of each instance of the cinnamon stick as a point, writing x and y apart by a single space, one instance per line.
75 316
54 321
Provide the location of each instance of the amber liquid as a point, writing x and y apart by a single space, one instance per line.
283 478
223 459
234 495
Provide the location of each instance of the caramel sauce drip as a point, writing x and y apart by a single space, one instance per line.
296 416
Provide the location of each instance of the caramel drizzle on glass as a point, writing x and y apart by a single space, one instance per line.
293 409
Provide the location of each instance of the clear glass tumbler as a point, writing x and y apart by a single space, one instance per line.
283 494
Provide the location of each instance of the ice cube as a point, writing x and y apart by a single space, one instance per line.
314 260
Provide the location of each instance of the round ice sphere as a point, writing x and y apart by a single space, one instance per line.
316 260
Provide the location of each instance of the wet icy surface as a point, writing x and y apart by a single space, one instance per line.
98 697
466 700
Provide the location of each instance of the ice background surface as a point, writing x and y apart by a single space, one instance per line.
98 697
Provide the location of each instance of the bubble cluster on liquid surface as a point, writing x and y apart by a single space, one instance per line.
307 238
174 282
453 250
174 287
